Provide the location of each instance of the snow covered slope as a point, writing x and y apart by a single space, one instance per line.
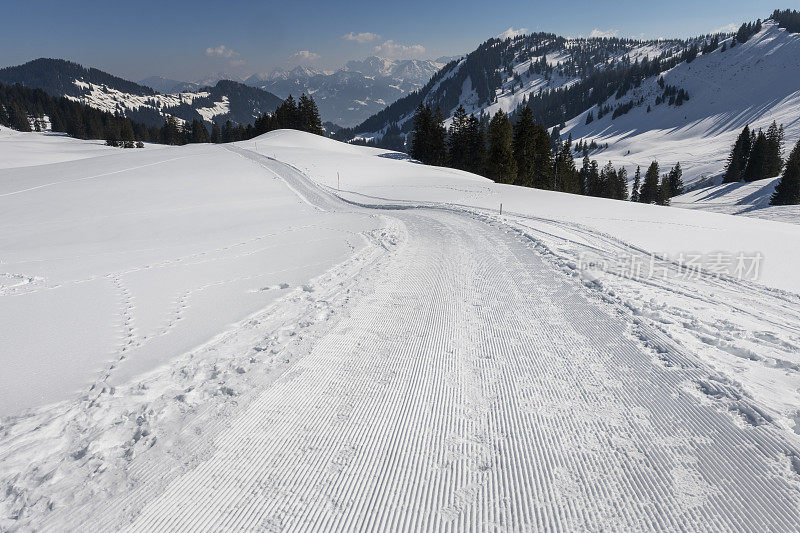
456 370
18 149
114 265
752 83
649 257
746 198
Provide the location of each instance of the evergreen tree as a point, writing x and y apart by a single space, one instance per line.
127 137
476 144
309 118
620 185
171 131
593 184
524 147
758 162
787 192
583 175
675 180
199 133
774 151
501 165
663 191
649 192
287 116
605 186
458 155
542 159
637 183
565 175
216 136
438 140
419 133
737 161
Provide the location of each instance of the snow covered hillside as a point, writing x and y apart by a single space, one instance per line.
294 333
503 73
752 83
746 198
134 257
215 101
19 149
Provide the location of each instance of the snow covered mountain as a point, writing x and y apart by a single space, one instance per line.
353 93
753 83
617 92
225 100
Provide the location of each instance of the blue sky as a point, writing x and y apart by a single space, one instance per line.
187 40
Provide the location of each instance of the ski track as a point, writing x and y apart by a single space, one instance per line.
466 382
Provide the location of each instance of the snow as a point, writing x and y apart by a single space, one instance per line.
752 83
18 149
295 333
134 258
219 108
579 229
111 100
745 198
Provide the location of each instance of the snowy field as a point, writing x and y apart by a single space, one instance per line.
291 333
19 149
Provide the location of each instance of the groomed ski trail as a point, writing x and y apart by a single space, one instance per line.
477 387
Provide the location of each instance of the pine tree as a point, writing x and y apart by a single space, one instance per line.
663 191
637 183
675 180
476 145
501 165
737 161
127 137
457 150
605 186
216 136
649 192
419 133
774 163
308 115
583 175
438 140
565 175
757 163
199 133
620 185
542 159
524 147
287 116
594 185
787 192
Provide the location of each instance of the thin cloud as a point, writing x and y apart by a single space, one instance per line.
393 50
303 56
511 33
603 33
220 51
728 28
361 38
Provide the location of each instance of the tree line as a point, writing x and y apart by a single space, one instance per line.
26 109
755 156
758 156
524 154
